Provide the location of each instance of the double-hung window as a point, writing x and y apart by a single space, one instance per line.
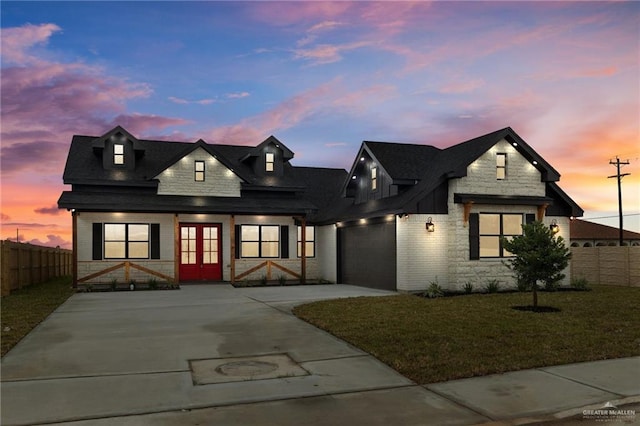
199 171
495 226
118 153
310 241
126 241
501 166
374 178
269 160
260 241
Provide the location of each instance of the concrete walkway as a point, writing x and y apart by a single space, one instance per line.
213 354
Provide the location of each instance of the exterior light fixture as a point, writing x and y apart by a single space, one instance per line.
361 158
535 163
430 226
353 177
554 227
515 144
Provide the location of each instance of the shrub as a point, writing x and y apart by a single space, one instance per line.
434 290
468 287
282 280
492 286
580 284
263 280
114 284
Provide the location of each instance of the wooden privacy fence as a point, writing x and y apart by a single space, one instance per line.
26 264
607 265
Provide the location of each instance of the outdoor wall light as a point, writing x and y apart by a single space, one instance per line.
554 227
430 226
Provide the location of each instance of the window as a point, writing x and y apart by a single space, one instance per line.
269 159
199 171
118 153
310 239
126 241
494 226
259 240
501 166
374 178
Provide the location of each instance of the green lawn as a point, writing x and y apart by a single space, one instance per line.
432 340
28 307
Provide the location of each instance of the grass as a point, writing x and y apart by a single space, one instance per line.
28 307
433 340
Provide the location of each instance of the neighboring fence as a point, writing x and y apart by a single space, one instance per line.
26 264
607 265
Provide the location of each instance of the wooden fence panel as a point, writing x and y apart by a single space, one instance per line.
607 265
26 264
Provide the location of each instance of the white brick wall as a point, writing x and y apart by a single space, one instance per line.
179 179
422 256
326 252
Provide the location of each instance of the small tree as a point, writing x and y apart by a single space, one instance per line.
539 257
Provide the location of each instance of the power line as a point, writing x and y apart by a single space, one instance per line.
619 176
611 217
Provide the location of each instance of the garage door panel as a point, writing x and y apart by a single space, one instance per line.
368 255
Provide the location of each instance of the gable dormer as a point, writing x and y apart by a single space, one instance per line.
118 149
268 158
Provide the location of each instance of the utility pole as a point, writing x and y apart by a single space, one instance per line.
619 175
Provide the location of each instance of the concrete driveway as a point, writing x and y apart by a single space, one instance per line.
213 354
102 356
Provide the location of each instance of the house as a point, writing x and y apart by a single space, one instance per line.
404 215
588 234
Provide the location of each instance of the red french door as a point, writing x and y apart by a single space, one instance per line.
200 252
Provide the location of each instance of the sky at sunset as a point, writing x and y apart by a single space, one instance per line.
321 77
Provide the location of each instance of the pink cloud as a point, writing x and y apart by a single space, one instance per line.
17 41
462 86
327 53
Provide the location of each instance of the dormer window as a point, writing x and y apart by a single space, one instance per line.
269 160
374 178
501 166
199 171
118 153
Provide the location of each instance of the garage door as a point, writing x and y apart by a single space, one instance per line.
367 255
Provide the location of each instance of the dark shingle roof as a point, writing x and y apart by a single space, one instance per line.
402 161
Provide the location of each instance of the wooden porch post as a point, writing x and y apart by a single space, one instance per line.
232 235
74 248
303 251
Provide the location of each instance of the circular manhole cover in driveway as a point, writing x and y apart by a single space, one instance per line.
260 367
247 368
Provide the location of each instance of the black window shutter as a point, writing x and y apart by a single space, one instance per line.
238 229
284 242
529 218
97 241
474 236
155 241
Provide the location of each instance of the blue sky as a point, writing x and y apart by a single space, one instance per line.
321 77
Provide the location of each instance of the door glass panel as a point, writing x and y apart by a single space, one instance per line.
188 245
210 245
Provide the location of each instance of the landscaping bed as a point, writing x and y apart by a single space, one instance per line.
433 340
29 306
